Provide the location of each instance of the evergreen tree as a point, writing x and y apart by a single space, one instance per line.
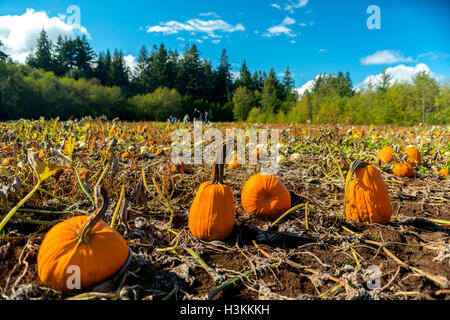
269 97
2 54
42 57
288 85
223 83
140 81
189 76
119 70
84 56
245 78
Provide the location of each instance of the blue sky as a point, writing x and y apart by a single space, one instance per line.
312 37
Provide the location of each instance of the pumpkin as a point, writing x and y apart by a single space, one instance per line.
7 161
385 154
414 156
403 169
83 243
443 172
366 197
126 154
211 216
265 196
178 168
234 164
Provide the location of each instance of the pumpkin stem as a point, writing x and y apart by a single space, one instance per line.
219 164
101 204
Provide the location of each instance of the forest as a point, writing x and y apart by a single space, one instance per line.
67 79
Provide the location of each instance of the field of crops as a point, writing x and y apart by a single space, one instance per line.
52 171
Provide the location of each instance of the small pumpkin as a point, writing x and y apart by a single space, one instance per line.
178 167
414 156
443 172
386 154
7 161
366 197
211 216
85 243
126 155
265 196
403 169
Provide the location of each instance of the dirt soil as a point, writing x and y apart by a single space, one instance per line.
321 256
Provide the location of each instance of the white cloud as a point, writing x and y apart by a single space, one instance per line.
302 24
281 29
292 41
20 32
208 14
130 61
399 73
385 57
216 41
291 5
195 25
288 21
307 86
433 55
180 38
322 50
277 6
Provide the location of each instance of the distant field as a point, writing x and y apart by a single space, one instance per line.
314 252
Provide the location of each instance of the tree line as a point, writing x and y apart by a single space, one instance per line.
67 79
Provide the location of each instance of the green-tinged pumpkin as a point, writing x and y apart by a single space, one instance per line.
83 246
366 196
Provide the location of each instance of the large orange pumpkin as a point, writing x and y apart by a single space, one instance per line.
83 245
264 195
211 216
385 154
366 197
403 169
414 156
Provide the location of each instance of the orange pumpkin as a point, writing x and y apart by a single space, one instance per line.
127 155
7 161
178 168
265 196
414 156
366 197
82 246
443 172
403 169
385 154
211 216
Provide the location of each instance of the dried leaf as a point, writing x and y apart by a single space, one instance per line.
43 169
